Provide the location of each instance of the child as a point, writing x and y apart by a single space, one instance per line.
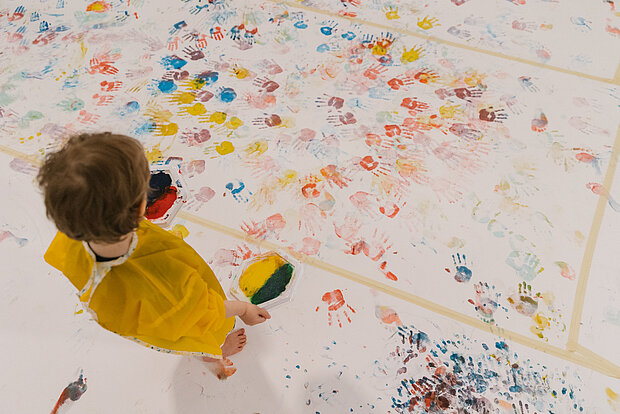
136 279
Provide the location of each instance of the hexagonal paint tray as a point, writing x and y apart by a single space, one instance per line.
267 280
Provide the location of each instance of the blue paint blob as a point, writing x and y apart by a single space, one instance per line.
501 345
167 86
463 274
209 77
173 62
227 95
327 30
301 25
349 36
322 48
131 107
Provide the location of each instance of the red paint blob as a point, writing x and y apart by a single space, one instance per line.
162 204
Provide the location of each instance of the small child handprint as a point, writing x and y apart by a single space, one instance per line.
525 302
336 307
427 23
462 273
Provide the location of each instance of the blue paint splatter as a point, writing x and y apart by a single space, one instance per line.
227 95
173 62
167 86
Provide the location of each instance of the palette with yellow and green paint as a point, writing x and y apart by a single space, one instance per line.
266 280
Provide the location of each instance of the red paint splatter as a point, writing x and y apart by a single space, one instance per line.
162 204
71 392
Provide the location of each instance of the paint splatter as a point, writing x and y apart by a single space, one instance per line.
72 392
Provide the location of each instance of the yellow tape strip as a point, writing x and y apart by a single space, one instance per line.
615 80
586 263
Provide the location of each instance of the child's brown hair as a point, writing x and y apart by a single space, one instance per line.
94 186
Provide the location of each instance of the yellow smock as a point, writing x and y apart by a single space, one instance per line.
161 293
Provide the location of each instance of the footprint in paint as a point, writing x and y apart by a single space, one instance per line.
462 273
239 191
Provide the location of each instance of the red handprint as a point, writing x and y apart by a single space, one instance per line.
332 176
110 86
414 105
102 100
335 307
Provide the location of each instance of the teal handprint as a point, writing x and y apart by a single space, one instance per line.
526 264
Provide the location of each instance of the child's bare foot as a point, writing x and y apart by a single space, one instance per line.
222 368
234 343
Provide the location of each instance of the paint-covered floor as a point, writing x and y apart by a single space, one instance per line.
444 169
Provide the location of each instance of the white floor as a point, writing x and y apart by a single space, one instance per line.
504 182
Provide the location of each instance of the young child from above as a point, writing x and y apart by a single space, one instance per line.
136 279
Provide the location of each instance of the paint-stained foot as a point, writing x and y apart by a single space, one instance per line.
222 368
234 343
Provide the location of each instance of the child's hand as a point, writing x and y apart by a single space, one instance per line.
254 315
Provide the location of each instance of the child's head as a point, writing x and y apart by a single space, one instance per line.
95 185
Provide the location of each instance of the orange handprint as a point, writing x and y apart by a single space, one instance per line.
335 307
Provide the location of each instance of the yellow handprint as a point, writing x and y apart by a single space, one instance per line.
449 111
427 23
412 55
391 13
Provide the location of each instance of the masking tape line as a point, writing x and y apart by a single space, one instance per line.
615 80
607 369
587 359
586 263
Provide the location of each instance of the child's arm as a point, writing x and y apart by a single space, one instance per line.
250 314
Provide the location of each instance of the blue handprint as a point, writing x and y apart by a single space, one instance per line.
328 28
463 273
237 191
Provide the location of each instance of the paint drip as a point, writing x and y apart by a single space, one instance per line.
161 197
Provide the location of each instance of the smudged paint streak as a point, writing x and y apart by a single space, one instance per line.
72 392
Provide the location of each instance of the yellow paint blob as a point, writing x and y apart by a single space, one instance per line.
541 323
256 274
180 231
234 123
218 117
185 97
613 398
98 6
257 147
168 129
241 73
225 147
197 109
154 154
290 177
379 50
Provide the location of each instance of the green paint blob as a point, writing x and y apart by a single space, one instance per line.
274 286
